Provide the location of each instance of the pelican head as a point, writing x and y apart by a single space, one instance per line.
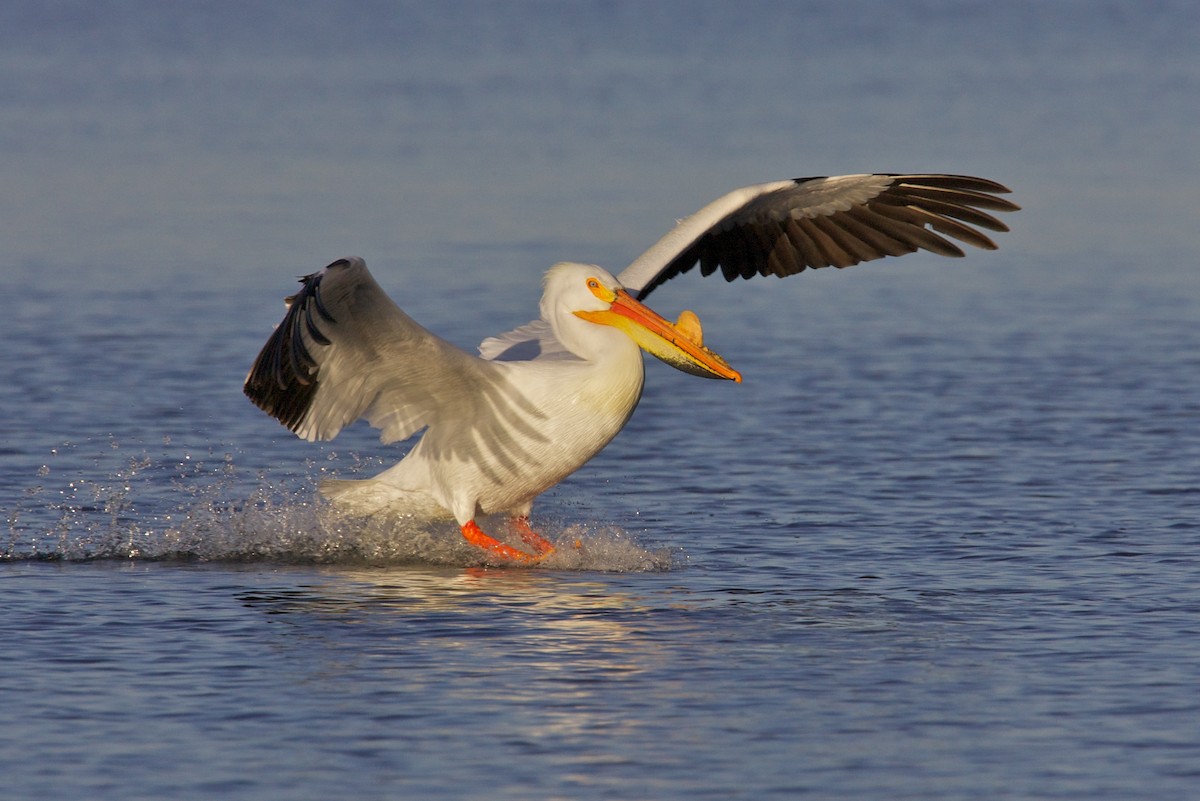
591 294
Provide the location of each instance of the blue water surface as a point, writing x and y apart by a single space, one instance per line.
940 544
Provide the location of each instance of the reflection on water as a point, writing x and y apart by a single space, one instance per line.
561 622
536 661
408 590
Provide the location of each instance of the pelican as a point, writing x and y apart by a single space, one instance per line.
538 402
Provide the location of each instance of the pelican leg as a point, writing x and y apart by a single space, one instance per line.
474 535
540 544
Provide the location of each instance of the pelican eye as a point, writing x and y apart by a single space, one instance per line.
599 290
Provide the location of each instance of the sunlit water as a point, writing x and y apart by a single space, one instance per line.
942 543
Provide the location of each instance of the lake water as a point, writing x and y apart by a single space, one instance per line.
943 543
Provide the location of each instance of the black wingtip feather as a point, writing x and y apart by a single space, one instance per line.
284 380
914 212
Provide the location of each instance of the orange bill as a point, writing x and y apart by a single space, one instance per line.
659 337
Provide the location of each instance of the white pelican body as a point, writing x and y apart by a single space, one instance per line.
549 419
498 432
512 430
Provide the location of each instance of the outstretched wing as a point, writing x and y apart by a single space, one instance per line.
785 227
344 350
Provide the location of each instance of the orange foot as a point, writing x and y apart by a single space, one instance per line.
474 535
540 544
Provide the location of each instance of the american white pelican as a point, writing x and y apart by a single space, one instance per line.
501 430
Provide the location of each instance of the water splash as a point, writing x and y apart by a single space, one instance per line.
301 528
200 506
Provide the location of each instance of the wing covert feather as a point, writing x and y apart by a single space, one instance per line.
345 350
